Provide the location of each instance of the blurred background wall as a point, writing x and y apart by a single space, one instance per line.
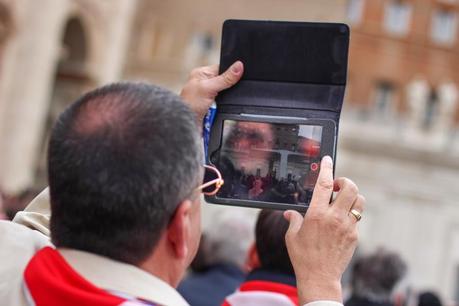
399 131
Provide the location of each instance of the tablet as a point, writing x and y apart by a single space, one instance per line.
273 127
269 161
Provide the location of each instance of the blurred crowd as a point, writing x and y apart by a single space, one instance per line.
229 266
265 188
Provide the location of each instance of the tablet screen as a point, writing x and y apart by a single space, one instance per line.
269 162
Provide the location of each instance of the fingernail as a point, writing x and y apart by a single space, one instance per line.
327 159
237 67
287 215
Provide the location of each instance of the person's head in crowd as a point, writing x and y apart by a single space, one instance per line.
428 298
129 156
375 276
225 242
229 238
270 251
219 266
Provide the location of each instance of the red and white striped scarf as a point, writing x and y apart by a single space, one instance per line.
50 281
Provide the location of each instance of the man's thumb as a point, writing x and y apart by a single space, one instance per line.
295 220
228 78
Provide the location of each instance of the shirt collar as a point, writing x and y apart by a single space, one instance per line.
113 275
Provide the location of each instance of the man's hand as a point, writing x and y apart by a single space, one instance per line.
204 84
321 244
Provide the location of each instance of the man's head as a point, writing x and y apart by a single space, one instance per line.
375 276
428 298
270 249
123 161
229 237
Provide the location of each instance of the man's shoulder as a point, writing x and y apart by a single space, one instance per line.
16 235
18 245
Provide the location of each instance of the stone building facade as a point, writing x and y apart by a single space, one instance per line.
398 131
404 62
55 50
399 137
50 58
172 37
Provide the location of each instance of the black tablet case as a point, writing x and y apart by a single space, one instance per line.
294 69
291 70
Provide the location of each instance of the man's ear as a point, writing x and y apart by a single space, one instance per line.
178 231
253 260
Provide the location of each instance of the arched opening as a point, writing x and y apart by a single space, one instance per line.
72 78
73 49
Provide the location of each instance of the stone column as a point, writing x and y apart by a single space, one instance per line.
28 73
116 41
6 29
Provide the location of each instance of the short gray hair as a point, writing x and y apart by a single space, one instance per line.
229 238
375 276
120 160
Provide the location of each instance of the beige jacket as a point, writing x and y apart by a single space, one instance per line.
19 240
29 232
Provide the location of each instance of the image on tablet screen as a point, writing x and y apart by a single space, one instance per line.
269 162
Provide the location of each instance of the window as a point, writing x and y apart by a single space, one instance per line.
431 110
354 11
444 24
397 17
203 42
199 49
384 99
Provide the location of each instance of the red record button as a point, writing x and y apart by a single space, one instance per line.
314 167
